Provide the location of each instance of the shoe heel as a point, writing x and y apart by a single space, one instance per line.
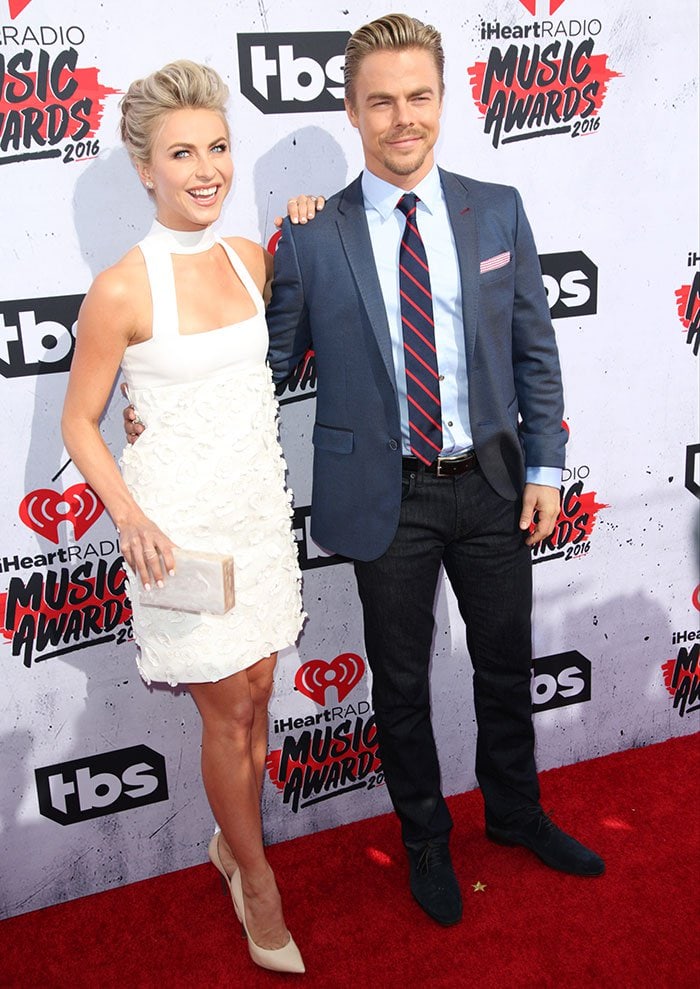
215 859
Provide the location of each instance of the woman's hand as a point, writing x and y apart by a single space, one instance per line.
147 550
302 208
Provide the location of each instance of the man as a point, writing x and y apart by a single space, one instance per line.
438 438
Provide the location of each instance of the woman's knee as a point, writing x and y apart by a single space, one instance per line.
226 709
261 682
234 724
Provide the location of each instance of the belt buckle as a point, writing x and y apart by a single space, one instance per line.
438 467
451 462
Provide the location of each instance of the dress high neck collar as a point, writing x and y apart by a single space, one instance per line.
183 241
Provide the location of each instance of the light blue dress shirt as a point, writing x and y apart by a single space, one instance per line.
386 225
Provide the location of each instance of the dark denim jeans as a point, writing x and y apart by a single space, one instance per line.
464 525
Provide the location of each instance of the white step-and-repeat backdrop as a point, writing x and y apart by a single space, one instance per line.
590 108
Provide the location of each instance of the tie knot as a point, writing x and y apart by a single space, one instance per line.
407 203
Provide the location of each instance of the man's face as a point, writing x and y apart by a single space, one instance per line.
396 108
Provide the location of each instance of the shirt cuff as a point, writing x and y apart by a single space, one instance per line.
551 476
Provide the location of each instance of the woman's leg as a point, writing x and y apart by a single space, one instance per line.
234 743
260 681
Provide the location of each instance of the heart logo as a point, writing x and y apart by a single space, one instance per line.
315 677
43 510
17 6
531 5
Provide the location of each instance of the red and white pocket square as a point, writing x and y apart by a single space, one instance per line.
497 261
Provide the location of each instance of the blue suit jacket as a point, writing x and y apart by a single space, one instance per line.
326 296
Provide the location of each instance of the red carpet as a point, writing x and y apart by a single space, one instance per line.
348 904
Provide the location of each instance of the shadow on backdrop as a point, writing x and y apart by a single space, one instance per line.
111 210
310 161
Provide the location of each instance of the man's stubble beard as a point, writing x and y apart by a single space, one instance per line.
406 166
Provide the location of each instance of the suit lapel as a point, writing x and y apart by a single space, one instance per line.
462 215
354 234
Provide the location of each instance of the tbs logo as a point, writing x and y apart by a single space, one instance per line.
37 335
293 73
560 680
75 791
571 283
692 469
311 555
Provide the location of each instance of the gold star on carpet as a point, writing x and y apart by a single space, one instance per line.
478 887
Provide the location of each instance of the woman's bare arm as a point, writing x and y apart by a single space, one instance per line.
105 328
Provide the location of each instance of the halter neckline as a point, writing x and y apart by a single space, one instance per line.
183 241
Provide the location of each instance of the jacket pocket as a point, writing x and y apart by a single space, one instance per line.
496 274
333 439
492 264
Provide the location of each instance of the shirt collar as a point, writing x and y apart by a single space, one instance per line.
383 196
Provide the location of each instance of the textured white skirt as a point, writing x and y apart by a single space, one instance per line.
210 472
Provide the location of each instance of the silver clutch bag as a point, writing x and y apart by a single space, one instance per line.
203 582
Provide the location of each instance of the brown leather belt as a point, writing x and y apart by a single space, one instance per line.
443 466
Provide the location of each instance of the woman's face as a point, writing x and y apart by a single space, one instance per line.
190 168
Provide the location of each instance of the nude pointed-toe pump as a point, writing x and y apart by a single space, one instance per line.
286 959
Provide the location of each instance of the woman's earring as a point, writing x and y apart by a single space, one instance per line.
149 184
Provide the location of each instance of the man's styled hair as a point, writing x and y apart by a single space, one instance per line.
393 32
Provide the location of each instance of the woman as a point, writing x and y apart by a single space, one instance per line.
183 315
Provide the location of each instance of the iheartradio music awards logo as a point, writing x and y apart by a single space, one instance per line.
682 674
68 598
301 384
543 79
44 510
571 537
17 6
332 752
688 305
51 105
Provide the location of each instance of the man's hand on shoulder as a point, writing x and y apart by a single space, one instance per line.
541 507
133 427
302 208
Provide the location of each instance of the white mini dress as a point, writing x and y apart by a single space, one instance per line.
209 471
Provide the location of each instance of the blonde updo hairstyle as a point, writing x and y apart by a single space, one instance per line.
180 85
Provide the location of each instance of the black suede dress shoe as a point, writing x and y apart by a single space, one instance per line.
434 884
557 849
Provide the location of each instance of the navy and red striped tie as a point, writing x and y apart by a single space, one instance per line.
420 357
